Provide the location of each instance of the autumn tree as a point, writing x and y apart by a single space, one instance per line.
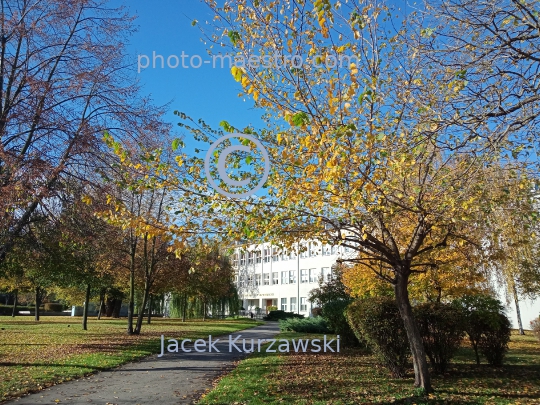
39 261
204 277
514 240
493 49
87 240
457 271
64 79
141 204
359 154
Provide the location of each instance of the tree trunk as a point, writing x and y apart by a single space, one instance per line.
518 312
184 308
14 312
131 306
101 304
149 319
162 305
204 311
140 315
421 370
38 303
476 355
85 309
117 308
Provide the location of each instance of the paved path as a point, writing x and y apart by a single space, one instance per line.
175 378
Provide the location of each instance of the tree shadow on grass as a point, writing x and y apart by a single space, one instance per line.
19 364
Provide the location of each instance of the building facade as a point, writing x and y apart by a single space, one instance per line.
267 275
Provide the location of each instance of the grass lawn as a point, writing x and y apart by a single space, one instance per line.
353 377
35 355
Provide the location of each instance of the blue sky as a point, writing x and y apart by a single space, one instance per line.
164 27
212 94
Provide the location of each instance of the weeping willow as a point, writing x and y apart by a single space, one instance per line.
186 306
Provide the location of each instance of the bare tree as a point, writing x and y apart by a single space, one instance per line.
64 80
490 53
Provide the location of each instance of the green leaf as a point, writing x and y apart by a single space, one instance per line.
300 119
234 37
427 32
177 143
226 126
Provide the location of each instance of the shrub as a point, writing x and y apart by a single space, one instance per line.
307 325
494 341
483 321
442 332
332 298
271 308
535 326
317 311
277 315
8 309
334 314
377 320
53 307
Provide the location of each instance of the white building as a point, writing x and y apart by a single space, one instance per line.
270 276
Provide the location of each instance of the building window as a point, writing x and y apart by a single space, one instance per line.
304 276
327 273
334 250
303 304
275 278
235 259
257 279
312 249
313 275
266 255
326 250
258 256
250 280
285 255
284 277
292 255
242 258
275 254
292 277
250 257
284 304
266 278
303 252
293 304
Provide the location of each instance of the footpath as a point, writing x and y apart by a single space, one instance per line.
174 378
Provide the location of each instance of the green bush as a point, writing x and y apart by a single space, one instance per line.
271 308
535 326
494 341
307 325
53 307
483 321
277 315
334 314
378 322
442 332
8 309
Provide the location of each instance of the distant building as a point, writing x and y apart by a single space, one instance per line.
267 275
